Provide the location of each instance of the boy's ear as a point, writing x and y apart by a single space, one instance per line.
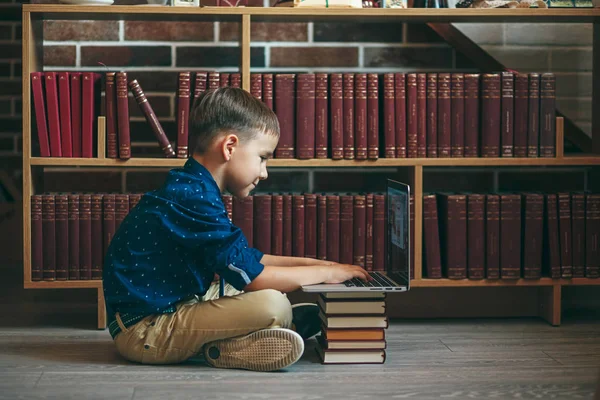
229 145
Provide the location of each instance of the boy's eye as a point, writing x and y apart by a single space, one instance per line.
263 158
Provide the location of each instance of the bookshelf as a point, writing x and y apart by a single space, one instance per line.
549 300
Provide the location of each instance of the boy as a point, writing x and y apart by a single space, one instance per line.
165 253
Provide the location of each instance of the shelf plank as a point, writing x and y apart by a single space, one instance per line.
63 285
504 282
63 11
279 163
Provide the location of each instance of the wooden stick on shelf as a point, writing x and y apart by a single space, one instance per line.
101 138
560 137
549 304
418 239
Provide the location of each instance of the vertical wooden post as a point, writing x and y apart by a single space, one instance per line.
549 303
101 309
245 50
417 191
560 137
101 138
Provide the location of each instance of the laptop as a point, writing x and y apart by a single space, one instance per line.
397 276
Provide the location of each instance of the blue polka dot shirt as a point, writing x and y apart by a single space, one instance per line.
171 244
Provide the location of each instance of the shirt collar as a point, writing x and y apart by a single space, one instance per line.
195 168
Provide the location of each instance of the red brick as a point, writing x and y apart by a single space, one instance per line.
63 56
155 81
10 12
161 105
421 33
408 57
357 32
142 182
81 30
10 87
10 124
266 31
18 106
6 32
18 32
4 69
126 56
5 107
142 132
11 50
7 144
17 69
314 57
217 57
169 31
77 181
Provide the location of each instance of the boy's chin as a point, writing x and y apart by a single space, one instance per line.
242 194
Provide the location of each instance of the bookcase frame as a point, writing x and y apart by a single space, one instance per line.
549 290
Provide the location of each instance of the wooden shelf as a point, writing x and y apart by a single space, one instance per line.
503 282
279 163
63 285
281 14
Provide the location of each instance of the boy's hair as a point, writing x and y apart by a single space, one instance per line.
228 109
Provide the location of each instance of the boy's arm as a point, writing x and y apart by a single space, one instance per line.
290 278
284 261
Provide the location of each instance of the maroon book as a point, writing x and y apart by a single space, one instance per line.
372 116
183 113
298 218
284 109
85 237
348 113
533 231
411 207
124 137
391 104
62 236
592 235
200 83
110 95
243 217
490 115
74 236
310 225
121 209
305 116
521 114
476 236
51 94
76 112
551 238
37 88
256 85
321 115
333 228
346 229
49 236
97 248
262 223
369 233
337 117
533 130
214 80
359 224
322 227
224 79
431 238
398 93
578 229
510 236
564 226
108 225
277 226
267 89
287 225
64 101
412 116
228 202
432 96
507 114
457 132
492 233
548 115
379 232
422 115
444 116
453 234
360 116
471 115
236 81
37 237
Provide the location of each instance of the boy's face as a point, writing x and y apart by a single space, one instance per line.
248 164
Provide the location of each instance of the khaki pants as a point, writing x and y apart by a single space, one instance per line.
173 338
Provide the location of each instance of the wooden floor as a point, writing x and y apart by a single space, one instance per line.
508 358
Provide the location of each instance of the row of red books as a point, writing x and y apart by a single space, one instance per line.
70 233
511 235
352 328
66 105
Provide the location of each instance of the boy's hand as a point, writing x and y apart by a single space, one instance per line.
338 273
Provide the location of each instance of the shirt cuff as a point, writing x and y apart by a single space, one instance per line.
244 268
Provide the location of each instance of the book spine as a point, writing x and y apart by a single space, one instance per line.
337 116
146 108
200 83
492 226
548 115
432 95
372 117
333 228
369 233
267 89
321 115
431 238
64 100
379 234
85 237
454 240
305 116
348 112
37 238
421 115
236 80
359 225
592 236
214 80
123 116
256 85
97 248
76 112
262 222
411 207
533 235
578 227
108 225
121 209
476 236
444 116
135 198
49 239
298 217
224 79
277 226
62 236
346 229
360 116
87 114
53 114
564 222
287 224
471 115
507 114
74 236
322 227
37 88
284 109
183 113
490 115
521 114
111 116
457 131
533 131
412 116
390 102
552 254
397 88
310 225
243 217
510 236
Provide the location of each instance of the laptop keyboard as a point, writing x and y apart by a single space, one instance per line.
379 280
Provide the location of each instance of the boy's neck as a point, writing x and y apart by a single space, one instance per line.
214 166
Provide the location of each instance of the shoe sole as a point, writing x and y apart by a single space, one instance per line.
264 350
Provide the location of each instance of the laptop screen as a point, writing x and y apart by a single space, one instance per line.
398 213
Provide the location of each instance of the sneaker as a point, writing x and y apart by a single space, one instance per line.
305 317
265 350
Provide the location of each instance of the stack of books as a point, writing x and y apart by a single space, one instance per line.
353 328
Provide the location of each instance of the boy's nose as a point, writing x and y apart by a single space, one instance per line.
263 175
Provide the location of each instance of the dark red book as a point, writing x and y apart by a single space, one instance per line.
360 116
548 115
431 238
510 236
412 116
432 96
372 116
267 90
108 221
592 235
37 88
346 229
121 209
298 218
97 245
88 112
471 115
277 226
333 228
224 79
444 116
49 236
533 131
124 137
421 115
507 116
85 236
62 236
183 112
492 233
337 116
564 226
74 236
390 109
369 233
310 225
551 238
359 225
476 236
262 222
578 229
284 108
64 101
457 106
287 224
256 85
397 91
37 237
135 198
322 227
243 217
379 232
110 96
411 212
51 91
228 202
490 115
321 115
348 113
236 80
521 114
214 80
452 211
305 116
76 112
200 84
533 233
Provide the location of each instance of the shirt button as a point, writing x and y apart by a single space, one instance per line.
146 346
